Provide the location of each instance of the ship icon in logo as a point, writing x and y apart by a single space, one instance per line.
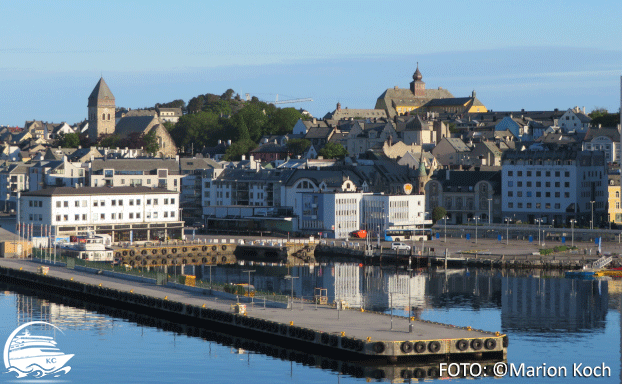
29 355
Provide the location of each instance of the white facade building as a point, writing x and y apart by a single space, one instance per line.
554 185
125 213
338 214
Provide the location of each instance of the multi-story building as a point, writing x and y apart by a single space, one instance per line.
603 139
466 195
55 173
338 214
555 186
160 173
190 198
124 213
13 179
615 211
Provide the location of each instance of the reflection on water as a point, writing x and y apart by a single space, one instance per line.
519 303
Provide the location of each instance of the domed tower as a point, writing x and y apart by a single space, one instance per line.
101 108
417 86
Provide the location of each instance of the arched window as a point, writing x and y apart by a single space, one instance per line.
617 194
103 116
108 116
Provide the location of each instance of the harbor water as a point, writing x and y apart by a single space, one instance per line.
554 325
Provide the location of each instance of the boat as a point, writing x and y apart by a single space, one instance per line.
28 353
361 234
91 248
584 273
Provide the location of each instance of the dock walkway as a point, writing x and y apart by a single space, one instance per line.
372 333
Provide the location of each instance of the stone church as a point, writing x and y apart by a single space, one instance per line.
101 107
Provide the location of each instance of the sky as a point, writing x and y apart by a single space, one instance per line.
532 55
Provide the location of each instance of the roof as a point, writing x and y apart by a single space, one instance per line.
612 133
271 148
457 144
97 191
318 133
101 92
135 165
134 124
467 179
187 164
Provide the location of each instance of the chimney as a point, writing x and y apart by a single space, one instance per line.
228 143
243 157
314 120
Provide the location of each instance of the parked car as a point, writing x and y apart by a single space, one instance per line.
397 246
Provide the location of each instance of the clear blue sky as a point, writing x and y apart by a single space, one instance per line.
516 54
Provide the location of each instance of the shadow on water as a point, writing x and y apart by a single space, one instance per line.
374 370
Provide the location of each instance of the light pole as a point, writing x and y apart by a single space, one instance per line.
410 274
572 221
539 222
249 271
445 221
290 277
592 221
489 211
476 219
378 237
507 231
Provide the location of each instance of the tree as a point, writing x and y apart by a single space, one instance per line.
228 94
151 142
604 118
333 151
438 213
195 105
239 148
179 103
298 146
70 140
109 141
282 120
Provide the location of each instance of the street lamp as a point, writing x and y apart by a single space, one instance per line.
572 222
378 237
539 222
290 277
249 271
592 221
507 231
410 274
489 211
476 218
445 221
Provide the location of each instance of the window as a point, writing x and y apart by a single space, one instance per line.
120 203
77 203
58 204
103 216
519 194
148 181
528 205
84 216
102 203
510 205
567 194
538 184
510 194
557 205
172 201
57 217
567 174
30 203
557 194
155 215
519 183
120 215
528 173
538 173
65 217
138 215
113 216
538 194
165 214
547 206
567 184
510 183
547 184
519 173
510 173
84 203
557 184
131 215
76 217
520 205
155 201
557 173
528 193
547 194
172 213
66 204
548 173
148 201
113 203
95 203
137 201
131 201
538 206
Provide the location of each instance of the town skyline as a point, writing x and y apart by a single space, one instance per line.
536 59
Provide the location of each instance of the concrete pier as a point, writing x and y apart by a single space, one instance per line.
320 329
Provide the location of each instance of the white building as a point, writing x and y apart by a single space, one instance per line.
161 173
574 120
338 214
604 139
139 213
554 185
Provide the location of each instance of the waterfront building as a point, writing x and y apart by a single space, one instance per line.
13 179
555 186
614 209
466 195
124 213
161 173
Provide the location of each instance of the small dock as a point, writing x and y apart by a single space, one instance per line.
318 329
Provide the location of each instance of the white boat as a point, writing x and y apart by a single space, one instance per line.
91 248
28 353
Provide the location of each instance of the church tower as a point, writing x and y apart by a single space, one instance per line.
422 176
101 108
417 86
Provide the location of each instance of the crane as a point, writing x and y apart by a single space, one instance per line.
248 97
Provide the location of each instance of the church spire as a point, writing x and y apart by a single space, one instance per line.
417 75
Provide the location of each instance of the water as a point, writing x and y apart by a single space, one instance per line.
550 320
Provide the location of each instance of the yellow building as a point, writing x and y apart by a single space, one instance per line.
418 99
615 212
